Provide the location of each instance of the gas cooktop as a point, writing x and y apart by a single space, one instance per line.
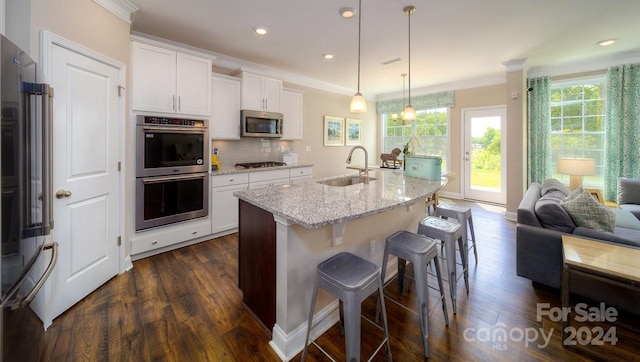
260 164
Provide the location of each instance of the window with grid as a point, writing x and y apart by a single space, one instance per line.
431 128
578 121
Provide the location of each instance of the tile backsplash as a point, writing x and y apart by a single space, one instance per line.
250 150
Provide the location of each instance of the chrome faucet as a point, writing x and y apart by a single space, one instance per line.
366 162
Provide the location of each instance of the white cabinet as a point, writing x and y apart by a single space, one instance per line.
261 93
224 206
164 80
166 236
292 111
300 174
225 108
268 178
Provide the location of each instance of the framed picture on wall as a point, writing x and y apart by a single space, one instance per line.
333 131
353 132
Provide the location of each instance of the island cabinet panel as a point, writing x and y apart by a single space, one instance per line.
257 262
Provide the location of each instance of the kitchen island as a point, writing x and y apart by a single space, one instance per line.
286 230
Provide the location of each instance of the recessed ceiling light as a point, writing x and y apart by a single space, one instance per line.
261 31
347 13
328 56
604 43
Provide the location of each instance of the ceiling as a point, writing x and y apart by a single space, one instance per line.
451 41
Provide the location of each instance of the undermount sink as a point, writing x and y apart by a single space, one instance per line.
344 181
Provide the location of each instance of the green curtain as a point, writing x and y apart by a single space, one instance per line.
622 150
539 124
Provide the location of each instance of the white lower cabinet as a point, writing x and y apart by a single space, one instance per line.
165 236
300 174
268 178
224 206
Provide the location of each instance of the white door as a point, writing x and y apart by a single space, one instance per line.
484 157
85 174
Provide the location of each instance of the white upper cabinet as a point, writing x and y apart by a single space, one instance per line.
164 80
225 108
261 93
292 111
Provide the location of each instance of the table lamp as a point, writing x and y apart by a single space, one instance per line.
576 168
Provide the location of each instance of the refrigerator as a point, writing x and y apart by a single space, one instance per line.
27 254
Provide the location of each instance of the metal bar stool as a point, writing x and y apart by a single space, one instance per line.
464 217
350 279
420 251
448 232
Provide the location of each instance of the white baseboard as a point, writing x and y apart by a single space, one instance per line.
511 216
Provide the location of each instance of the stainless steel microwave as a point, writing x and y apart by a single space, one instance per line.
261 124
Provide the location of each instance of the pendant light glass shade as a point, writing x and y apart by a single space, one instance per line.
409 112
358 103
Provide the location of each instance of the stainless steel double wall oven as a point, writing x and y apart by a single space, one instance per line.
172 172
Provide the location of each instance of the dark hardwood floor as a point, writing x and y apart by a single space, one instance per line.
184 305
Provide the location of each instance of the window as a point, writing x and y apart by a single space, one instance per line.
578 121
431 129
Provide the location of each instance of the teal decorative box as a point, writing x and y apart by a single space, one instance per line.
427 167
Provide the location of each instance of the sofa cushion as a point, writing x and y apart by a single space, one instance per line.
632 208
625 219
628 190
588 212
554 185
552 215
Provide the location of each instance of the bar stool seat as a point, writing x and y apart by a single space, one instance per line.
420 251
351 279
464 217
449 232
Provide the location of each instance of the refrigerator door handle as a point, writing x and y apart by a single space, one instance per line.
36 288
47 159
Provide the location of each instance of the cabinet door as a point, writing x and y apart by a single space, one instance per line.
252 94
225 108
224 215
292 110
153 78
193 84
272 93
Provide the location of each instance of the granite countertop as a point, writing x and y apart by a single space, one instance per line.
311 204
227 170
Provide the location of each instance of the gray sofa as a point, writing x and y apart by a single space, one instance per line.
541 222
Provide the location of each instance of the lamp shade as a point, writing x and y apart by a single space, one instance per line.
577 166
358 104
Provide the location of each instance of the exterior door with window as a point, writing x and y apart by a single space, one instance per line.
484 162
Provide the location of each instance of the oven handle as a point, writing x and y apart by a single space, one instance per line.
173 178
174 129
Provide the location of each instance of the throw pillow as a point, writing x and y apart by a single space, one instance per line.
553 216
588 212
628 190
553 185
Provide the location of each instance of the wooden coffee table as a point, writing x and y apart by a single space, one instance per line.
613 263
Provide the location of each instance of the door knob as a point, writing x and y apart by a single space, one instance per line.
61 194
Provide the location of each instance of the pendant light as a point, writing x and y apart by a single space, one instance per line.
409 112
358 103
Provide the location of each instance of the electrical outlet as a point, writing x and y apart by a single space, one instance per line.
372 248
307 148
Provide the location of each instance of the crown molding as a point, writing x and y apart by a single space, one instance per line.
514 65
120 8
590 65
